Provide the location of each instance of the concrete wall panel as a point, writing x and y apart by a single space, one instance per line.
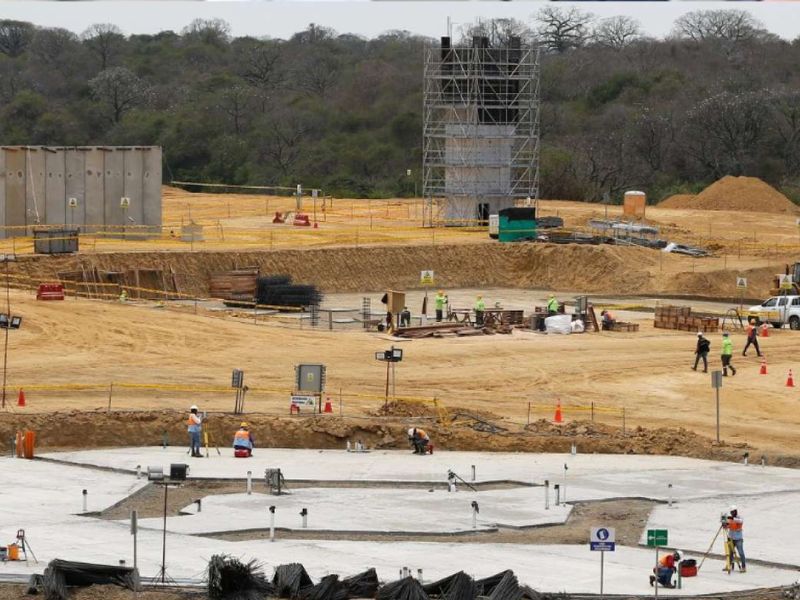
114 189
151 185
2 193
35 188
15 192
75 185
55 187
94 189
133 186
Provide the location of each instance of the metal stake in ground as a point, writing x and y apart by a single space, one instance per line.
716 383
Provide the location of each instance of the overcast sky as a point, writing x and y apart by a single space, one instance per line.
282 18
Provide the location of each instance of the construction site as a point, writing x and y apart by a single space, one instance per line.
551 368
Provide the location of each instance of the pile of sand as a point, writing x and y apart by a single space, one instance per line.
744 194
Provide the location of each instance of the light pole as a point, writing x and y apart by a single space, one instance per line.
408 174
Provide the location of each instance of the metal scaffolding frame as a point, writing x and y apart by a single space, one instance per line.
480 129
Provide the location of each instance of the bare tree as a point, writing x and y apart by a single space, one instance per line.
119 90
262 67
282 142
561 29
314 34
214 32
15 37
785 126
727 25
235 102
652 137
317 73
498 31
105 40
724 133
617 32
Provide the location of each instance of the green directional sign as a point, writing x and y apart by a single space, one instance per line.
656 537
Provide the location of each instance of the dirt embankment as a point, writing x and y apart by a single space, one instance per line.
744 194
593 269
148 428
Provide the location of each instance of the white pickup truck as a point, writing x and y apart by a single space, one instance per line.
778 311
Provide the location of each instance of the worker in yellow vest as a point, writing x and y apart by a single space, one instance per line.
552 305
440 300
480 307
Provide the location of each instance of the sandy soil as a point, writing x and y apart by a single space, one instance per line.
190 357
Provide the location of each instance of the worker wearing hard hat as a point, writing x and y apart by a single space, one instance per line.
419 440
194 425
440 300
667 566
701 352
733 526
727 355
243 442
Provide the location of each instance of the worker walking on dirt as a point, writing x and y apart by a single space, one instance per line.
733 528
194 423
440 300
243 442
727 355
752 338
552 305
667 565
480 308
701 352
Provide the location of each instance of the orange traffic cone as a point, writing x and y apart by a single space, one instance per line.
558 418
790 379
328 405
21 399
763 370
764 330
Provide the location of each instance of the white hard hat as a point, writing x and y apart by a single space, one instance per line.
733 508
699 334
193 407
411 432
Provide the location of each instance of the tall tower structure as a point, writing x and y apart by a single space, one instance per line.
481 129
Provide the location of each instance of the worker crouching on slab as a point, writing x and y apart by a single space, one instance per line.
243 442
667 566
420 441
194 426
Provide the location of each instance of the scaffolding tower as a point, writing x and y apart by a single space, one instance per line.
480 130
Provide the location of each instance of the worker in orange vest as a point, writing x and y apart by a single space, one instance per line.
752 338
419 439
667 565
733 526
243 440
194 426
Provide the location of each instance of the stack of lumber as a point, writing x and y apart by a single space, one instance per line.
436 330
239 285
683 319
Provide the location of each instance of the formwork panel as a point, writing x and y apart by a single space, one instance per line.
55 187
114 190
151 186
15 192
2 193
94 189
75 185
35 188
133 162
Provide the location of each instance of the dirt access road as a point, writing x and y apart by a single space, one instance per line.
93 343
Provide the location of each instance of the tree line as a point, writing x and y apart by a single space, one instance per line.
720 95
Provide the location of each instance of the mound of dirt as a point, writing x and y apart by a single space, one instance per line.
744 194
401 408
678 201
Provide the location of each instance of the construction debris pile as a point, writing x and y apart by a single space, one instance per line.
683 319
60 575
231 579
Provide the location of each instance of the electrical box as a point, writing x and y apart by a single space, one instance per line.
310 378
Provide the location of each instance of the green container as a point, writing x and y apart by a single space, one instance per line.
517 224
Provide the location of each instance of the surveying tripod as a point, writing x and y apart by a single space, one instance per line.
731 556
208 437
24 546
